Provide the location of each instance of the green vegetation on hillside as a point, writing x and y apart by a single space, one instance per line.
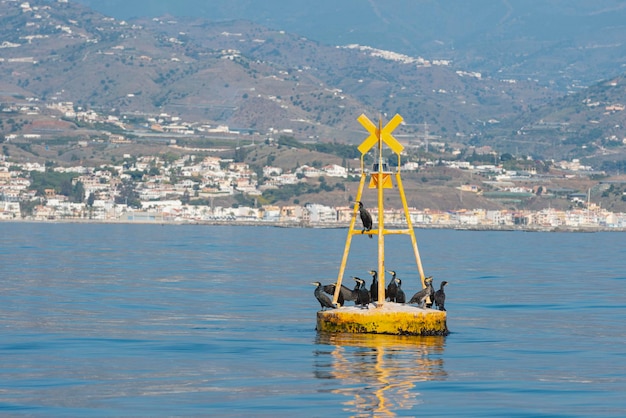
288 191
340 150
60 182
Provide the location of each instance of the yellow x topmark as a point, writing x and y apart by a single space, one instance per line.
384 134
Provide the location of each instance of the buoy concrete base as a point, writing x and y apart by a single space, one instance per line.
390 318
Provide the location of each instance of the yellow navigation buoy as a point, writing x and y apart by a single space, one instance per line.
382 317
390 318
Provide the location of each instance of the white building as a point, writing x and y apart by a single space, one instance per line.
334 170
308 171
321 213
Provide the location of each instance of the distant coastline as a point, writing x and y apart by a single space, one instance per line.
326 225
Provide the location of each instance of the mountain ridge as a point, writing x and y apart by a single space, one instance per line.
268 81
513 38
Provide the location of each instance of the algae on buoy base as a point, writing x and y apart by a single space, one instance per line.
390 318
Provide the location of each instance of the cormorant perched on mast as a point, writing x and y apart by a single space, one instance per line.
420 297
323 299
400 297
392 287
440 297
374 286
366 219
363 295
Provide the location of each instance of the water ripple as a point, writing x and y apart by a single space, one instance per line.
143 320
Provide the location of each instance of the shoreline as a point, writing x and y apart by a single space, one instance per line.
327 225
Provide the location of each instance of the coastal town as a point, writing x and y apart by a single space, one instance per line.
182 187
154 190
66 158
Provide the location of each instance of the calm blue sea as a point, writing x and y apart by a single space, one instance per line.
163 320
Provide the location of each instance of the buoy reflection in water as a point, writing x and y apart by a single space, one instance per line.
378 372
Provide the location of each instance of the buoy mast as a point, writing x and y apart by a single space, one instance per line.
380 179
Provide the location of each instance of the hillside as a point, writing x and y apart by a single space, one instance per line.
260 80
561 43
434 187
589 125
59 59
240 74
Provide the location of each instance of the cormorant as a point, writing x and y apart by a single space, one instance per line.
440 297
330 289
354 293
374 286
400 297
345 292
323 299
431 293
420 297
366 218
392 287
363 295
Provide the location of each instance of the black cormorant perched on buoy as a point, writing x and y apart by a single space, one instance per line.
431 293
363 295
400 296
345 292
330 289
323 299
392 287
354 293
440 297
420 297
366 218
374 286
